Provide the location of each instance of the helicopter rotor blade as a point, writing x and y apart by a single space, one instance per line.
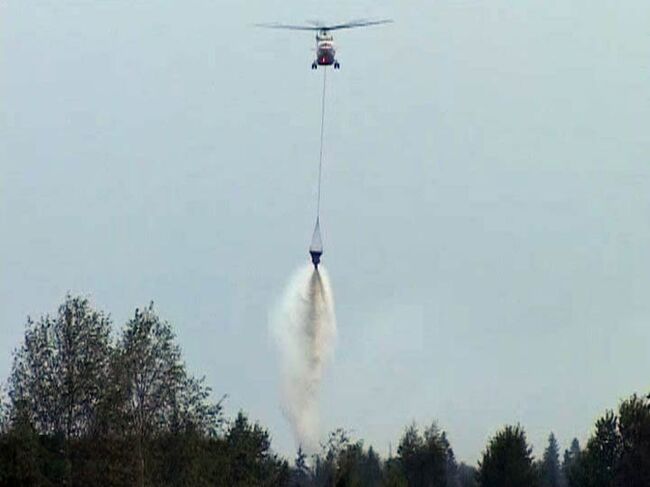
357 23
289 27
318 26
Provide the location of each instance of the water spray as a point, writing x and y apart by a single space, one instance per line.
304 326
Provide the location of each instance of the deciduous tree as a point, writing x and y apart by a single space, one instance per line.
634 430
61 368
59 373
154 393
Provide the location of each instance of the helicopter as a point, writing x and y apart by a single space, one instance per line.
325 51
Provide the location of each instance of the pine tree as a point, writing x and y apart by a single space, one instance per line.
371 471
300 476
251 461
424 458
550 467
451 473
507 461
570 462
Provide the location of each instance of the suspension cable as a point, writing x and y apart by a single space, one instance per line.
322 132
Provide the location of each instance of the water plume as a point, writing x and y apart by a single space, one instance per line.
304 326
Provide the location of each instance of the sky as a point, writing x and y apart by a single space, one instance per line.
486 194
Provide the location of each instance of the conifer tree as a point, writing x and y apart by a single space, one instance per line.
507 460
551 474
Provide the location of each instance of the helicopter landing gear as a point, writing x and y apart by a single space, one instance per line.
337 65
314 65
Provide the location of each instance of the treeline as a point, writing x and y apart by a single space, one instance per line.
82 408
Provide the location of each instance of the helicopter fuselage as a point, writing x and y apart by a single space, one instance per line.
325 51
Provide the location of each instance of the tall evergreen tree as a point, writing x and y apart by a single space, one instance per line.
393 473
551 475
300 476
371 470
356 467
507 460
570 462
251 461
452 473
424 458
409 454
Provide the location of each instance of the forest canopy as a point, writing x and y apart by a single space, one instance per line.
87 405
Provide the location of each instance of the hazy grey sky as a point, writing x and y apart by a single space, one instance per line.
485 208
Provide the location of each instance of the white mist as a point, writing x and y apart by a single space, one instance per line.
304 327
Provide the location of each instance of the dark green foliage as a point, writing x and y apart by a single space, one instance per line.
507 461
634 430
59 371
596 465
152 396
86 412
371 468
156 392
20 456
83 410
250 460
452 473
58 374
618 453
467 476
349 466
300 474
424 459
603 452
393 474
346 463
357 467
550 472
326 465
570 462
